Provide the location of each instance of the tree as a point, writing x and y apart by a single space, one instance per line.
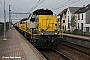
73 22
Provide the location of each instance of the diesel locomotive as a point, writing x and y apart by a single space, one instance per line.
42 28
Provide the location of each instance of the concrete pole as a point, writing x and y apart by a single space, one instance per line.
9 18
4 22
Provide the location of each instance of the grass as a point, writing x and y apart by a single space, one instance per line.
78 33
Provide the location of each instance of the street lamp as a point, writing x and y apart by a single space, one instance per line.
4 22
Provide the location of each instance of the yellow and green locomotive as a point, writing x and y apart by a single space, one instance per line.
42 28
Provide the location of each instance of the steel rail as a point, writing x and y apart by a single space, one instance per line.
62 55
86 53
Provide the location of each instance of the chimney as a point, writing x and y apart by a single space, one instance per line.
83 5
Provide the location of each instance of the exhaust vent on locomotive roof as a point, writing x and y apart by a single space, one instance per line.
43 12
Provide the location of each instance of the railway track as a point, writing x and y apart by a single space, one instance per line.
74 54
53 54
78 48
62 55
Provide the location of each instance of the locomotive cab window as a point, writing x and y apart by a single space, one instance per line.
36 19
33 18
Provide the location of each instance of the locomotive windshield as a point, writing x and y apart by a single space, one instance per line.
33 18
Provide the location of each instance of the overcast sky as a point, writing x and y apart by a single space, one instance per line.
23 6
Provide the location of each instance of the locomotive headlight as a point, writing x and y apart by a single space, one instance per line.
42 30
55 33
42 33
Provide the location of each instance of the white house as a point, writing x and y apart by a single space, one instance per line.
70 12
83 18
62 17
65 16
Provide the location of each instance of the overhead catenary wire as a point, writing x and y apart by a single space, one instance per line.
55 4
36 5
66 4
2 4
15 8
14 5
3 7
63 4
17 12
55 7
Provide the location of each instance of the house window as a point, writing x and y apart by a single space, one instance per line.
68 12
82 16
81 26
63 21
65 16
78 25
68 18
78 16
63 27
87 29
68 25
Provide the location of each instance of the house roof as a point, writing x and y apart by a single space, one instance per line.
64 10
84 9
79 10
73 9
